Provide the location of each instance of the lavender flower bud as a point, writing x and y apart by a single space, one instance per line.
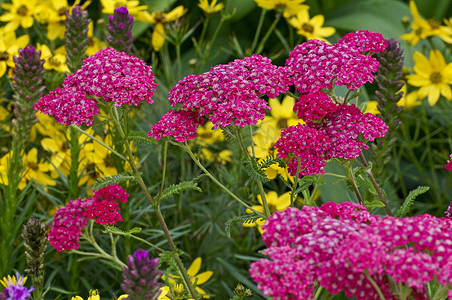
141 276
120 30
76 37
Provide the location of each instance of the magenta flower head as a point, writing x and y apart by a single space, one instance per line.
110 75
68 222
316 65
226 95
338 245
141 276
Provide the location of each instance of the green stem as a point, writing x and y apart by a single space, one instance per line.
259 183
198 163
136 238
100 142
295 183
375 184
267 35
318 292
155 205
351 179
179 62
258 29
162 185
204 29
74 190
374 284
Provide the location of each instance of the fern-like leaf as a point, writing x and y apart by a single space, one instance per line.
270 160
117 179
141 137
178 188
254 171
240 219
409 201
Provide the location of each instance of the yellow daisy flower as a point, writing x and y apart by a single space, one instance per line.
289 8
20 13
192 271
55 61
422 28
311 28
433 76
207 137
9 47
36 170
94 44
210 8
159 19
275 203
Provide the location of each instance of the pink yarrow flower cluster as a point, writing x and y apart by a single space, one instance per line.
108 74
332 130
337 246
69 220
448 166
227 95
316 65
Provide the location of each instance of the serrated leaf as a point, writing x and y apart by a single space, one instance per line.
270 160
409 201
254 171
178 188
127 233
117 179
304 183
141 137
240 219
168 257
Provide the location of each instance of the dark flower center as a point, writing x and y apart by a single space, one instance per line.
433 23
62 11
307 27
22 10
54 62
4 55
282 123
436 77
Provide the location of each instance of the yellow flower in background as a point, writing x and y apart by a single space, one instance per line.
372 107
159 19
281 113
207 137
20 13
36 170
192 271
164 290
210 8
275 203
433 76
94 295
94 44
422 28
9 47
311 28
99 160
45 126
289 8
55 61
134 7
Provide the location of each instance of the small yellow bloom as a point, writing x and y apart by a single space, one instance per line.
422 28
210 8
55 61
94 44
192 271
274 202
289 8
311 28
433 76
9 47
159 19
20 13
133 6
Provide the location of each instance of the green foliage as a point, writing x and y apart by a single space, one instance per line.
254 170
141 137
168 257
407 205
270 160
175 189
117 179
240 219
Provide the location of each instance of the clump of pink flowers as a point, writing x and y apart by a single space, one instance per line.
69 220
342 247
227 94
448 166
109 75
315 65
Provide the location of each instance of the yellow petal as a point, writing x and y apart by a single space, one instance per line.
175 13
437 61
203 277
27 22
422 64
195 267
158 36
